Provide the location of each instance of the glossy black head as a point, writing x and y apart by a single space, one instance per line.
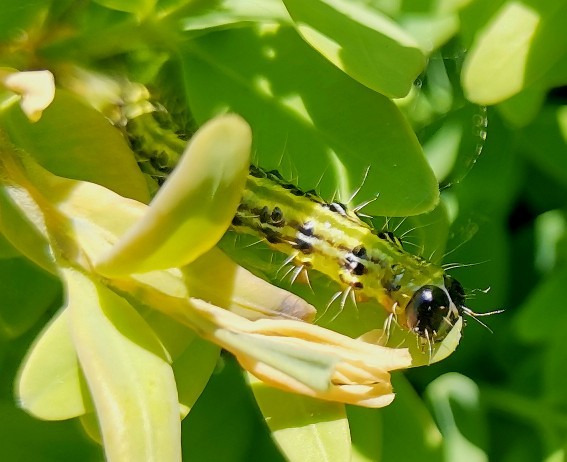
456 292
433 310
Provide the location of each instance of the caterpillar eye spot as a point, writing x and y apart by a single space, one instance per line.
359 269
264 214
360 252
277 217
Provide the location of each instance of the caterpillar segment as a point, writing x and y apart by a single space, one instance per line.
333 240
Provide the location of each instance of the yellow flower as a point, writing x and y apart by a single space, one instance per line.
122 262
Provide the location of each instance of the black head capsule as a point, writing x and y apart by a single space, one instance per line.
456 292
431 313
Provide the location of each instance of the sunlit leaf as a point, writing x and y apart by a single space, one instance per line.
287 104
194 209
50 384
360 41
91 150
235 13
519 43
194 359
304 428
22 226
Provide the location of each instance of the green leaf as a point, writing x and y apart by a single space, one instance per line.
292 104
26 438
194 359
554 378
523 107
76 141
17 16
424 234
454 400
91 427
305 429
409 412
366 433
27 292
544 142
519 43
550 239
532 323
224 425
130 380
192 370
7 250
194 208
50 385
234 13
360 41
139 7
21 230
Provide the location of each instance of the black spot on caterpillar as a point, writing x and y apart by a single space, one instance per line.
331 239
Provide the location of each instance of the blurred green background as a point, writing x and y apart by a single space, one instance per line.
483 86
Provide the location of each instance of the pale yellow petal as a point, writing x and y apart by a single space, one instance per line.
194 208
37 89
128 375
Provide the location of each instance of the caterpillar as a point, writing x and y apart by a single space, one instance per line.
329 238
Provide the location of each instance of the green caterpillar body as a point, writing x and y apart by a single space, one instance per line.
333 240
325 237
